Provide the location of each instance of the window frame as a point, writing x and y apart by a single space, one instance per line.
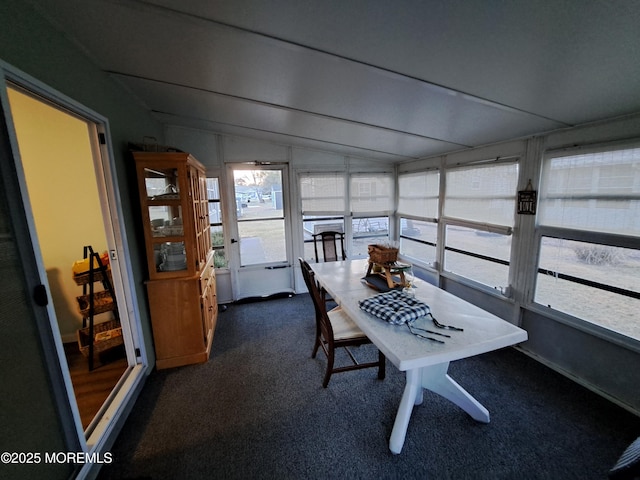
506 230
402 215
333 216
599 238
360 214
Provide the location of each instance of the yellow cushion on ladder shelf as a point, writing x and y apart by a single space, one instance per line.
80 267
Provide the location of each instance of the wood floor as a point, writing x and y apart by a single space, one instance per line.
92 388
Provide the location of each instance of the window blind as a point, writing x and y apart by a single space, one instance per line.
418 194
323 193
371 193
482 193
598 191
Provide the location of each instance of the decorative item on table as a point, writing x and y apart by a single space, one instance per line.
409 284
384 272
382 254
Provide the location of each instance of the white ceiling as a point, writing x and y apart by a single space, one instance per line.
379 79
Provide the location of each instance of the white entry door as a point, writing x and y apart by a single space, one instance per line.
261 235
46 214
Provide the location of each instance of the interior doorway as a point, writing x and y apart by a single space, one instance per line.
65 192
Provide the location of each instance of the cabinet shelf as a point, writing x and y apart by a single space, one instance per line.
164 201
168 239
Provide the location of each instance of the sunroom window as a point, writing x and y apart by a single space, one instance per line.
479 212
323 205
589 229
418 198
371 201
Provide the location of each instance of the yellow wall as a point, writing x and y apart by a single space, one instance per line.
58 163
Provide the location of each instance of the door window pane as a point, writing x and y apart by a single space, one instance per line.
261 226
262 242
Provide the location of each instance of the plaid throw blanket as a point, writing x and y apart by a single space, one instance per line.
395 307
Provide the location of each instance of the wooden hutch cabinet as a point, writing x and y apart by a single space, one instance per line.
182 283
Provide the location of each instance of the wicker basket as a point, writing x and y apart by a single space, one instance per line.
381 254
110 330
83 278
102 302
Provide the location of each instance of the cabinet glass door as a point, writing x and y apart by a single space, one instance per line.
162 183
166 221
170 256
166 217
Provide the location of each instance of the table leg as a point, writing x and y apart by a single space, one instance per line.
436 379
412 394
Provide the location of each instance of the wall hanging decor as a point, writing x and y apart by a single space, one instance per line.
527 200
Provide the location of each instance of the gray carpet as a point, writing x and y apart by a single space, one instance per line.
257 410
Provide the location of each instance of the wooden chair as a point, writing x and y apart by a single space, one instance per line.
334 329
329 241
